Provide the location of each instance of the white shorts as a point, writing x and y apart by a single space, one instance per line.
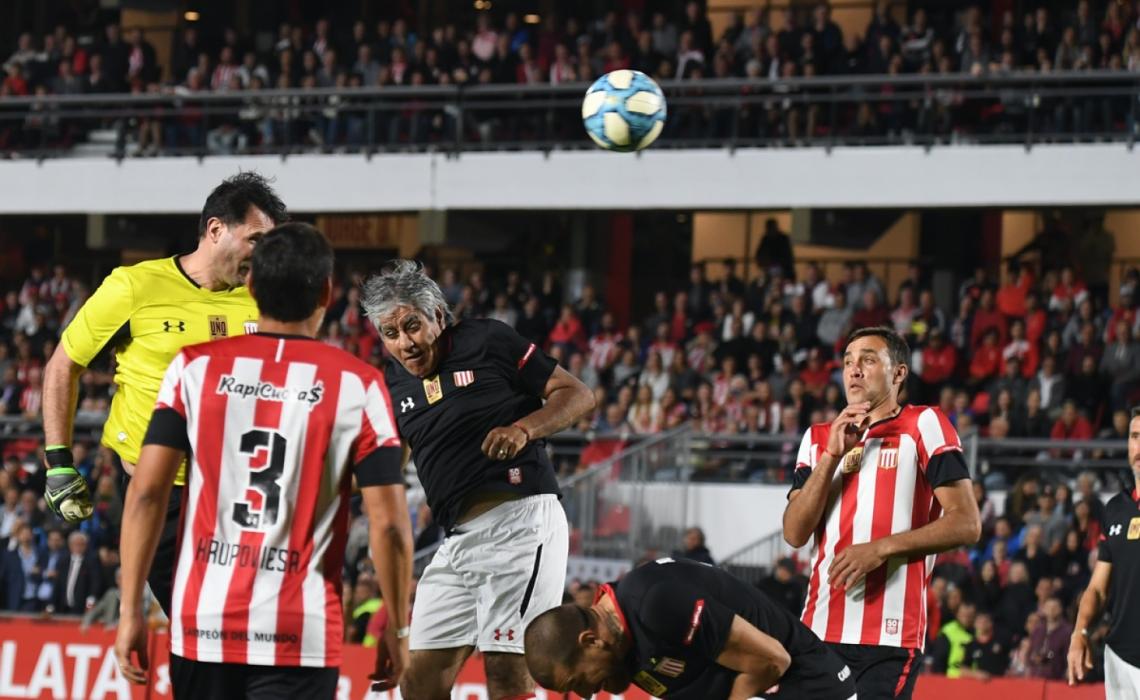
487 581
1121 679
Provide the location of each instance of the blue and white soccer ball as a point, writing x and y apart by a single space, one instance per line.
624 110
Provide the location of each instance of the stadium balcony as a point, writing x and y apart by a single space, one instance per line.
1060 138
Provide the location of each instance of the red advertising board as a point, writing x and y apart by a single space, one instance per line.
53 659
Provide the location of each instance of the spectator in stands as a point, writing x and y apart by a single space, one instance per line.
775 250
949 650
988 654
1049 643
1050 385
1071 425
22 571
986 360
1121 362
693 546
871 312
987 318
784 586
78 584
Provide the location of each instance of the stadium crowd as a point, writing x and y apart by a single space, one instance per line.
496 49
1043 355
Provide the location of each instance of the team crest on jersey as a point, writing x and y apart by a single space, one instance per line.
670 667
433 389
250 327
1134 529
219 327
649 684
853 460
892 625
463 378
888 459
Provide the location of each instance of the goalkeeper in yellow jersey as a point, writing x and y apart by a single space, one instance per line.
145 314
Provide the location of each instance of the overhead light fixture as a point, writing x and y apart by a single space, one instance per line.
531 19
191 16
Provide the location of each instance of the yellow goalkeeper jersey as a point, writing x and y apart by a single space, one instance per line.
146 313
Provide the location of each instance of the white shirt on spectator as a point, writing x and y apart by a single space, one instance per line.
658 383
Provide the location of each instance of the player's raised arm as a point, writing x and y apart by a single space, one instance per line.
102 317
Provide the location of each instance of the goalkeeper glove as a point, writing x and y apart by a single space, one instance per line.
66 493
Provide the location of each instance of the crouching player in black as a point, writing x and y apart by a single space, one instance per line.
679 629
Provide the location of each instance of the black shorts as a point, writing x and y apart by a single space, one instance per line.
881 672
161 574
816 675
197 680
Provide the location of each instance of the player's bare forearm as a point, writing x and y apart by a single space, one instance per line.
1092 601
806 505
567 401
143 514
60 393
960 524
751 685
759 657
390 539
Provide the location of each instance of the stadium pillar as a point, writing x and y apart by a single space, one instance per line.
620 267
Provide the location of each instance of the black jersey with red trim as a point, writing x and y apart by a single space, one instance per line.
679 615
1120 546
488 376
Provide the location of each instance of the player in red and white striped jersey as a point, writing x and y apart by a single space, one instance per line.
276 425
883 488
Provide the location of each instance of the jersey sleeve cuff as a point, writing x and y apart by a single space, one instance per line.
380 467
167 428
946 467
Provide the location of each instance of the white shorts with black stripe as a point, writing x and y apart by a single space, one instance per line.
494 575
1121 679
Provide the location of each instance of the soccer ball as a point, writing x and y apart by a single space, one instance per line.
624 110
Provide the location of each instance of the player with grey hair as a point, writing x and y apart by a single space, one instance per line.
474 401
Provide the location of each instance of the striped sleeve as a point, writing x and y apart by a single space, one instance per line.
936 435
377 454
939 449
805 461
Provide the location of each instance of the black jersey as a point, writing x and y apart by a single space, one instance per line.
1120 546
488 376
679 614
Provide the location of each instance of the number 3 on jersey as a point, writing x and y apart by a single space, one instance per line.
264 480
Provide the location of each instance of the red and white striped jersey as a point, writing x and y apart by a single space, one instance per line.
884 486
275 427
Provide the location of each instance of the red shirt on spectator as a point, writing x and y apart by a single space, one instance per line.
938 363
986 362
1011 297
679 327
1035 323
1024 351
17 85
866 318
1081 429
985 320
1118 315
815 378
568 331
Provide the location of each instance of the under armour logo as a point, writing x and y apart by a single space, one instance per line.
168 326
1115 530
407 404
509 634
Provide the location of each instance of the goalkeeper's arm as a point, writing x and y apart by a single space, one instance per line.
66 493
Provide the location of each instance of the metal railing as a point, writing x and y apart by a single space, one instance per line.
1020 107
754 561
613 509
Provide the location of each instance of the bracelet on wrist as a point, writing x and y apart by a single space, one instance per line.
524 430
404 632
